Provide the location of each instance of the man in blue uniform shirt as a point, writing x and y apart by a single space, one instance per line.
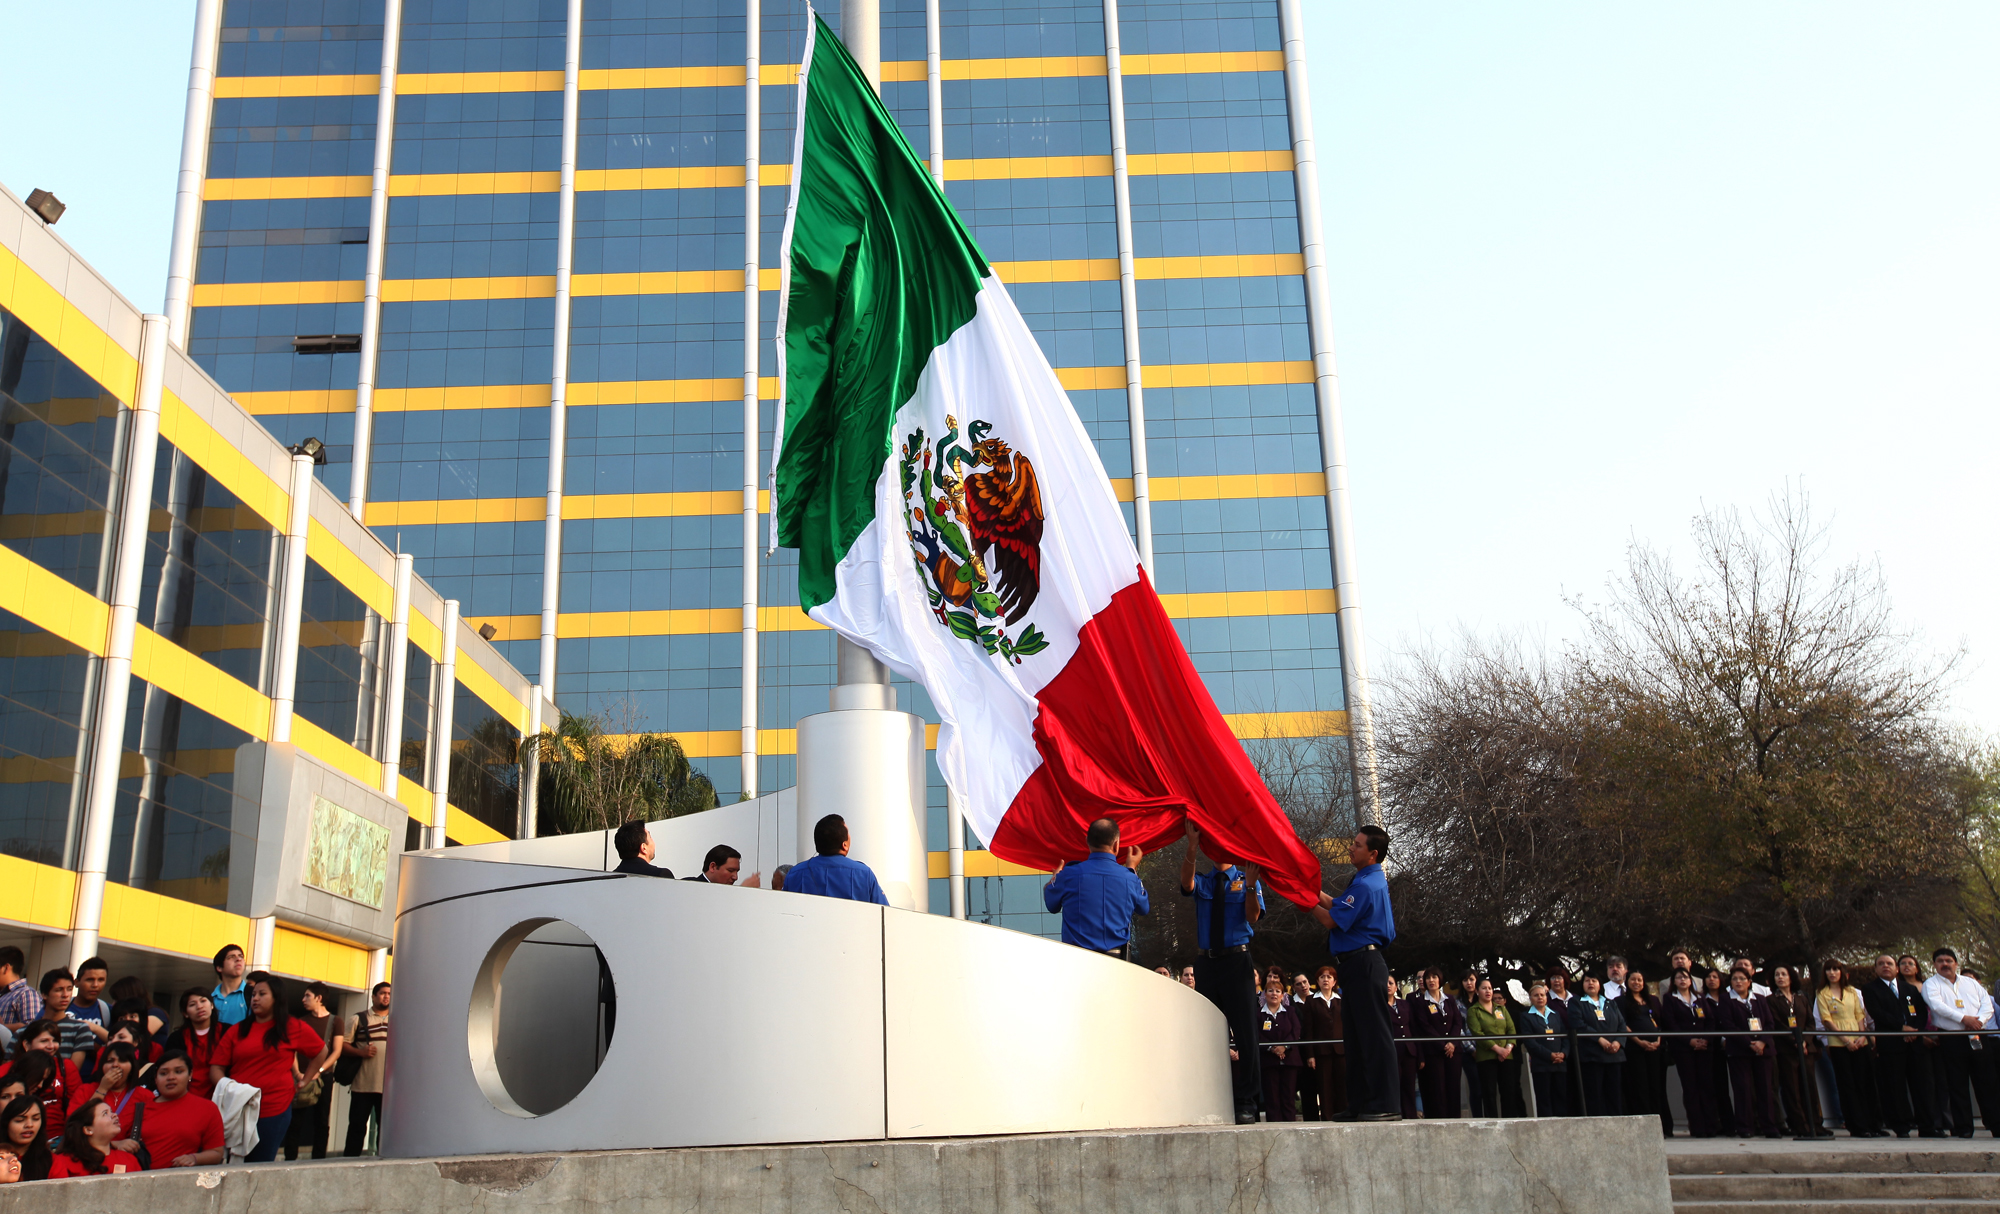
1098 897
1228 901
831 874
1359 924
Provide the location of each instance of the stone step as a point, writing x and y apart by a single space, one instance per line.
1887 1159
1883 1205
1838 1186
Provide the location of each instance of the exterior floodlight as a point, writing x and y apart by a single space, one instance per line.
314 449
487 632
47 205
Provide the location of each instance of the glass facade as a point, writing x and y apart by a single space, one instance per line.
650 568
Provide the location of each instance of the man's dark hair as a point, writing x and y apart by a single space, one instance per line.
224 951
1103 833
128 1009
60 974
1377 839
719 855
1940 951
377 989
14 959
95 963
629 839
828 834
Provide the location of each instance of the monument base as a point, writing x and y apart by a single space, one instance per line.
1580 1164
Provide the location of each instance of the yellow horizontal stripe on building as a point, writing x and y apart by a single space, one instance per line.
458 510
246 189
690 282
669 282
50 769
996 168
179 673
426 636
414 797
1220 375
41 307
489 689
684 621
14 643
1216 488
1251 726
499 396
462 828
728 743
980 864
315 958
200 442
298 86
39 895
660 505
220 638
417 84
350 570
771 75
309 401
1213 604
666 391
43 599
72 410
150 919
336 753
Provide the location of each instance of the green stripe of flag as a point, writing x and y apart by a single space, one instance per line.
881 272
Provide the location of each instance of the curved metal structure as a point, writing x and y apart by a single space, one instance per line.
544 1008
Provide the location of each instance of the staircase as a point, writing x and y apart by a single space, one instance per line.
1836 1181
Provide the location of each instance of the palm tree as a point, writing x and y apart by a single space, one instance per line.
595 779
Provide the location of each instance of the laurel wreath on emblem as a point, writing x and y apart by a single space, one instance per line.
975 515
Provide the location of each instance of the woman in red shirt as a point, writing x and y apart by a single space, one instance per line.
58 1086
86 1146
119 1062
183 1130
21 1136
197 1036
263 1051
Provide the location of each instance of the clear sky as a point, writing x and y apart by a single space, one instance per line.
1595 267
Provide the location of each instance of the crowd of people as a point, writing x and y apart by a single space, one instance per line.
1771 1051
100 1079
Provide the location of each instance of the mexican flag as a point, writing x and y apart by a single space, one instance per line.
951 516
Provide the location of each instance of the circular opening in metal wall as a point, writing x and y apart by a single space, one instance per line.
535 1033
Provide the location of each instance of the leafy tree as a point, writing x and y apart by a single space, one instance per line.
592 778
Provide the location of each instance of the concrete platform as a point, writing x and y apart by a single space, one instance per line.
1585 1165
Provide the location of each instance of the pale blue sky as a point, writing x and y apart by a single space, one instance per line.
1595 266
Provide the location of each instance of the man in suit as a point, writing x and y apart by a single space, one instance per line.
1903 1073
635 852
721 866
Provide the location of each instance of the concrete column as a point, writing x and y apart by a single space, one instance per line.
559 378
954 825
291 601
441 732
753 224
378 969
263 940
526 801
106 734
1332 438
1128 294
378 239
861 34
195 123
399 676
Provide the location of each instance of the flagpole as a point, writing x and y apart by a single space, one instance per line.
753 223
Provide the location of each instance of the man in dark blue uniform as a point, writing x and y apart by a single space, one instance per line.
1228 902
1359 925
1098 897
635 852
832 873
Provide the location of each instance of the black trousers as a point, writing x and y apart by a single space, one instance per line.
1697 1072
1646 1084
1854 1079
1955 1061
1500 1087
1603 1089
311 1126
1372 1075
1796 1086
360 1107
1903 1082
1227 981
1750 1083
1552 1093
1281 1091
1438 1082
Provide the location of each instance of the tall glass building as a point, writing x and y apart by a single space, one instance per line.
493 253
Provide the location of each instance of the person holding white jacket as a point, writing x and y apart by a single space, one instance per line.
1957 1002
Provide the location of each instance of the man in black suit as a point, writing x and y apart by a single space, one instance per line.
721 867
1902 1073
635 852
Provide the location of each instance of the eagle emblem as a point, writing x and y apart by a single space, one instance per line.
974 514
